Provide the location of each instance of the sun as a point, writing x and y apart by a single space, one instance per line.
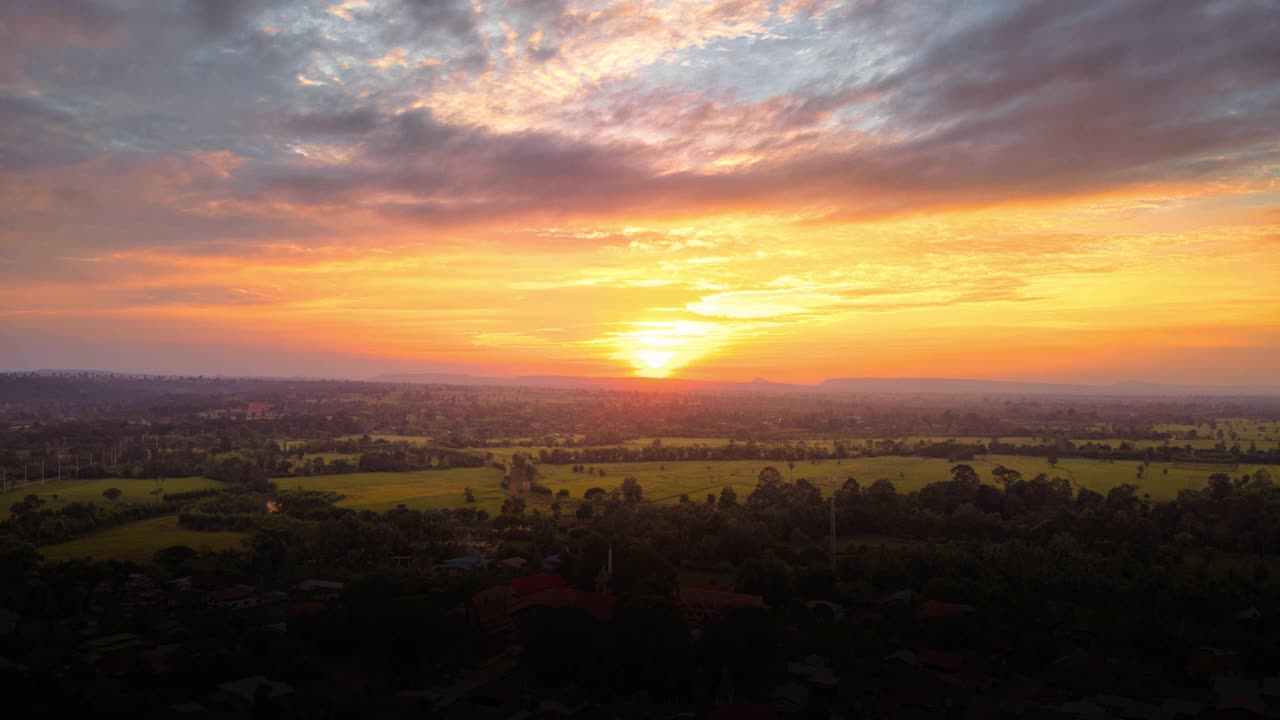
657 349
654 363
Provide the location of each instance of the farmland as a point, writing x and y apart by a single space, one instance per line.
138 541
58 494
662 483
420 490
665 482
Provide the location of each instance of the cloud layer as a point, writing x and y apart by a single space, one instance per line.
678 185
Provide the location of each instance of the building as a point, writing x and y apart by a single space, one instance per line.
236 597
704 602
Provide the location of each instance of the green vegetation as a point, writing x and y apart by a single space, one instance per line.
419 490
138 541
133 490
665 482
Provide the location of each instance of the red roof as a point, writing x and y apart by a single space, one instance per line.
711 587
936 609
535 584
600 606
306 608
940 659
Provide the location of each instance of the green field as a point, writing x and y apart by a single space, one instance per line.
136 491
664 482
421 489
138 541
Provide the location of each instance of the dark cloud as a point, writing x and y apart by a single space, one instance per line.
978 105
222 16
34 134
340 122
437 19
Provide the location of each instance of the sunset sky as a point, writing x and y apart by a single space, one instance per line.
795 190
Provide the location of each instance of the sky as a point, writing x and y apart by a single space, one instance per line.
707 189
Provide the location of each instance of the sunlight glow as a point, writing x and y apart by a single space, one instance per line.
656 349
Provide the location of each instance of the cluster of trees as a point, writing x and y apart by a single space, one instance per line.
32 520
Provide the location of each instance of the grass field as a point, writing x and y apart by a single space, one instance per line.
664 482
136 491
138 541
421 490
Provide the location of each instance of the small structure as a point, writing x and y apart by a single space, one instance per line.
258 410
490 609
935 610
513 563
704 602
247 693
236 597
462 565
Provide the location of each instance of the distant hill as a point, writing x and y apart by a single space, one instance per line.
895 386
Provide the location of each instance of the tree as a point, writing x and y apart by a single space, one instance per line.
728 498
1219 485
17 560
112 494
1007 477
513 506
769 475
631 490
469 494
684 498
585 511
770 489
965 474
594 493
175 556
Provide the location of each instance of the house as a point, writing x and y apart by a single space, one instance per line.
704 602
599 605
247 693
940 661
259 410
312 584
236 597
935 610
513 563
815 670
490 609
462 565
